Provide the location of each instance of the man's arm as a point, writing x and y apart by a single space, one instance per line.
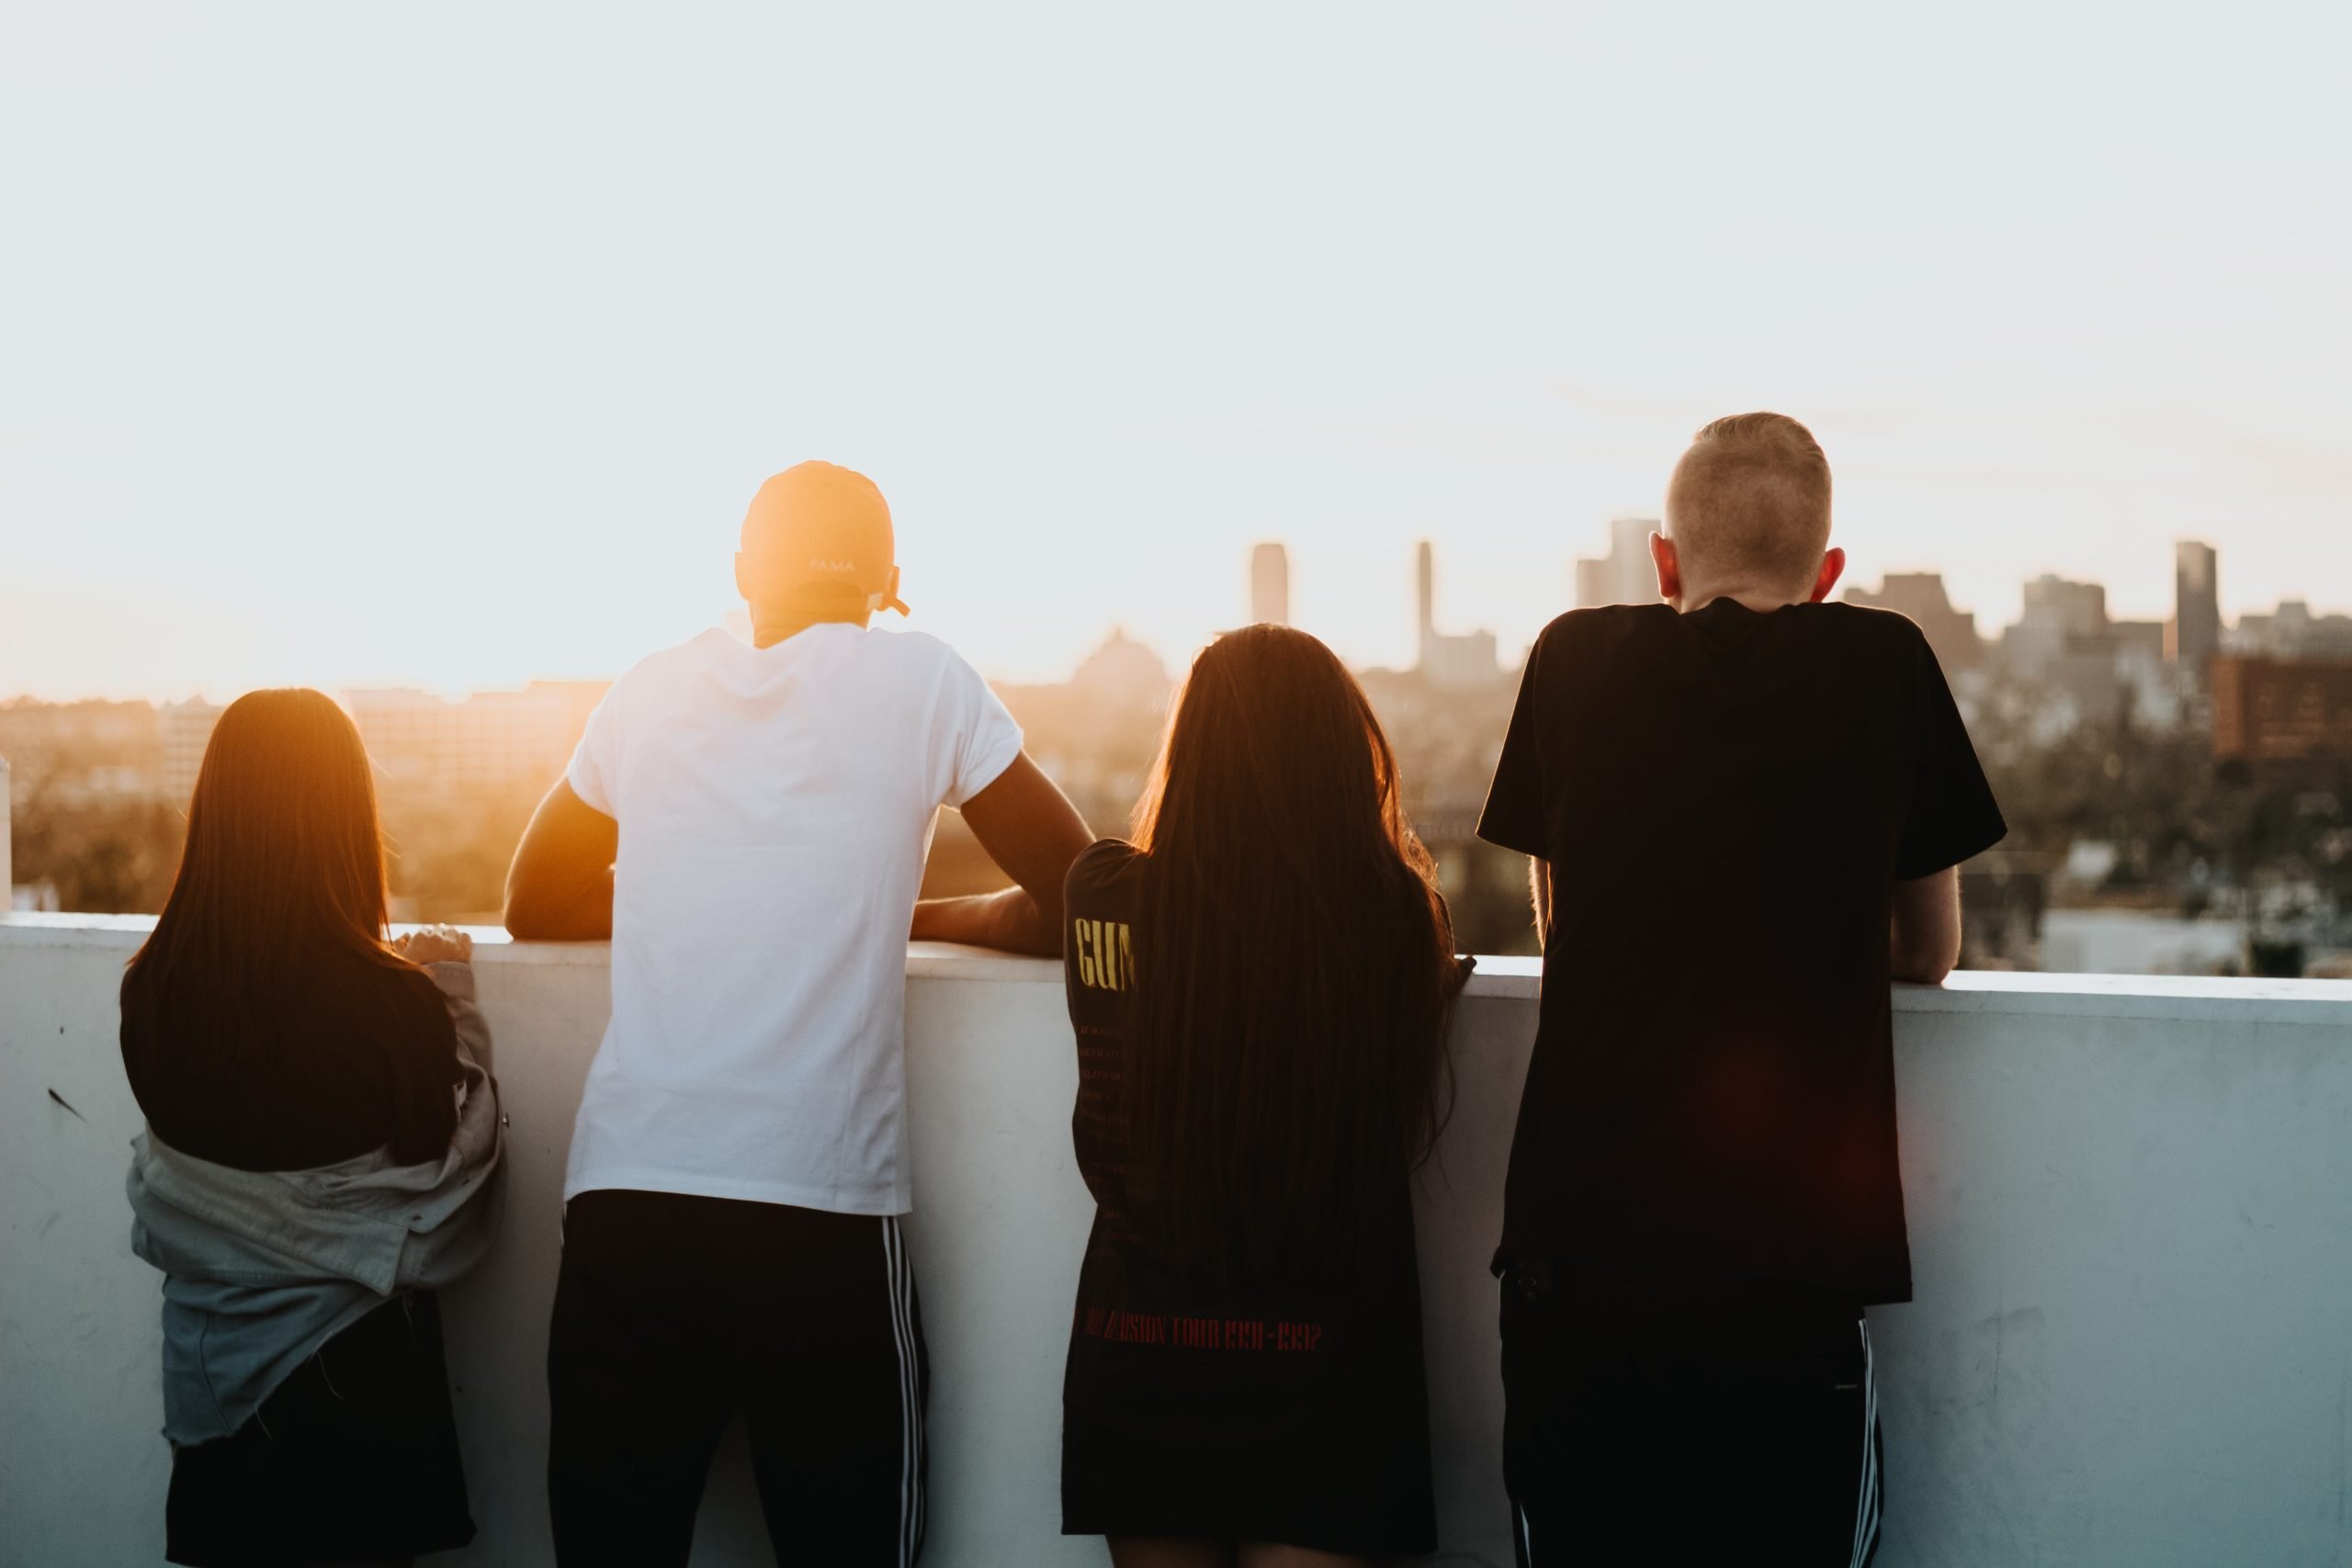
560 887
1539 887
1032 832
1923 939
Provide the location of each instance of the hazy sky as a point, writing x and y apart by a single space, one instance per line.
444 344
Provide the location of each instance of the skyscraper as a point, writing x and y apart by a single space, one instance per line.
1425 589
1270 585
1450 663
1627 574
2194 636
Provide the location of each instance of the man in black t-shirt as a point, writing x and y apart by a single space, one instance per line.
1746 808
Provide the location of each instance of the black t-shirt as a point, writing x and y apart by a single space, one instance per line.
1726 799
345 1058
1148 1314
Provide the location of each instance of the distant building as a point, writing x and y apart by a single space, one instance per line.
493 740
1123 672
1270 585
2060 618
1454 662
2155 688
1921 596
1095 734
2090 670
187 731
2138 640
1625 575
2282 711
2291 631
2193 635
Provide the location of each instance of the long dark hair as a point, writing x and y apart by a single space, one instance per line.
284 864
1295 965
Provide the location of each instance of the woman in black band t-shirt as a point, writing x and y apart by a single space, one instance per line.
1258 985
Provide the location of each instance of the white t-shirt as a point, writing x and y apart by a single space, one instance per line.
776 807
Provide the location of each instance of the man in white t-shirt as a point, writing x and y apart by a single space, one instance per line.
748 824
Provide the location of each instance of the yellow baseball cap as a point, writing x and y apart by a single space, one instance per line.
822 532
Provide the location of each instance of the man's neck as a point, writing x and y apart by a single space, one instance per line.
772 627
1763 601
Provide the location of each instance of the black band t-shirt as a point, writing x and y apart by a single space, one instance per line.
1132 1269
1726 799
1280 1407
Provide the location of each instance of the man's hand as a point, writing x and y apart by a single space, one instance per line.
1032 832
560 887
435 944
1923 938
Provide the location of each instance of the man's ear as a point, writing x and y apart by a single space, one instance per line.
1833 565
1669 568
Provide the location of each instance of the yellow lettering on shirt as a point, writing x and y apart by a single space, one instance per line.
1105 952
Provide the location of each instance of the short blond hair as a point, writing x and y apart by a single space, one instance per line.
1751 498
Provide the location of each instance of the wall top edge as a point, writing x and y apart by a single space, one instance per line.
1968 991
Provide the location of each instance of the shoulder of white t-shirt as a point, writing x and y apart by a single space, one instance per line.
919 648
717 642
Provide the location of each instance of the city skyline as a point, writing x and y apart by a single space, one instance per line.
2227 715
2291 625
1616 573
2055 612
1608 559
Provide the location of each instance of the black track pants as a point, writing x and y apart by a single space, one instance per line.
1652 1423
674 1313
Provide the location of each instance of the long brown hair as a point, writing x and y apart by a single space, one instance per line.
1295 965
284 863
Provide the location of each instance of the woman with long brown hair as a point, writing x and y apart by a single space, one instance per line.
321 1132
1259 985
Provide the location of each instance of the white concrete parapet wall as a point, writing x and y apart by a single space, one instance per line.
2130 1207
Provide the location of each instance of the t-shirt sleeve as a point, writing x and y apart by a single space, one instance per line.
1099 899
1951 813
1516 808
1083 888
594 772
973 733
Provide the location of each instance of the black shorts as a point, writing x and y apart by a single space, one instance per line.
1670 1421
675 1313
353 1459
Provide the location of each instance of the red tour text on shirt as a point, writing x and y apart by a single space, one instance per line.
1181 1332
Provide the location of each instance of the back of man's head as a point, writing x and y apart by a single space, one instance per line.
1748 504
818 542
